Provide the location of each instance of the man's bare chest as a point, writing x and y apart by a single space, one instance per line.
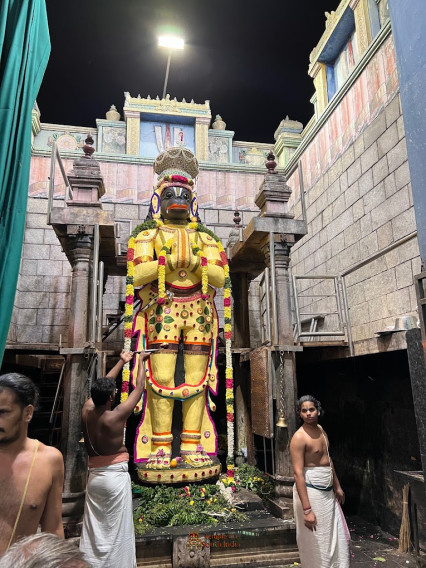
15 481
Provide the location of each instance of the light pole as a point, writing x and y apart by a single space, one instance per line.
171 42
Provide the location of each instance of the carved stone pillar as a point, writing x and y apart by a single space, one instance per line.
285 376
80 252
74 226
250 254
80 238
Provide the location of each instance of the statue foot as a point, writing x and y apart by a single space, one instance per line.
196 459
160 460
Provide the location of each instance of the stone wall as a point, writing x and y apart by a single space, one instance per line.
359 206
41 304
132 182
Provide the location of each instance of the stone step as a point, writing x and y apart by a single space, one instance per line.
261 557
281 507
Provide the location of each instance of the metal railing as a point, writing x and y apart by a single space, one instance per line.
341 298
55 156
308 313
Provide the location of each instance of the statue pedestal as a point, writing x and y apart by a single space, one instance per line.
182 473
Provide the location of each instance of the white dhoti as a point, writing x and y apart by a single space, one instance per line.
328 545
108 536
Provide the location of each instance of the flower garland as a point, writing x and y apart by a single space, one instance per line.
130 298
204 278
128 315
166 249
229 377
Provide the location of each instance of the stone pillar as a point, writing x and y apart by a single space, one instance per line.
318 73
362 25
285 379
80 253
133 120
74 226
250 255
202 138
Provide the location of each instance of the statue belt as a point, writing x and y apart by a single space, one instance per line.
179 291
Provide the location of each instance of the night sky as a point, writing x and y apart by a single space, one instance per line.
249 58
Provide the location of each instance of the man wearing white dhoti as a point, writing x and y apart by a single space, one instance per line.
321 531
108 537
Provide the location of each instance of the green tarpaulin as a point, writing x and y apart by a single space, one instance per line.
24 52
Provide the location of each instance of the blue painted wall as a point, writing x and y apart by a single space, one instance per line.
408 19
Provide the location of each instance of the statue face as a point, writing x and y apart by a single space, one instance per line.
175 202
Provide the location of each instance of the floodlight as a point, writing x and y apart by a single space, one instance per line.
171 42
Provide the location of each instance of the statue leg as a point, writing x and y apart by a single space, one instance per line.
193 409
163 368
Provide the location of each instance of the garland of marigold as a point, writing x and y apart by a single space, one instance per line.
166 249
130 298
229 377
128 315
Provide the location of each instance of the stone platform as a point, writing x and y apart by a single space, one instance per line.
262 541
182 473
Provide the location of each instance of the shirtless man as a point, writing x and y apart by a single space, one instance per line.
31 474
321 530
108 538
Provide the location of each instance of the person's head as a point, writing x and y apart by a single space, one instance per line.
103 390
18 399
43 550
309 409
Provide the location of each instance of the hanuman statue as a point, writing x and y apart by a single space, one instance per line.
174 264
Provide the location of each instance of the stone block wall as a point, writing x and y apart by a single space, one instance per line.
42 296
359 206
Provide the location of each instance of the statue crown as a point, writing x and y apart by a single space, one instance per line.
176 161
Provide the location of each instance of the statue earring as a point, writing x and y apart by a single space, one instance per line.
194 210
155 205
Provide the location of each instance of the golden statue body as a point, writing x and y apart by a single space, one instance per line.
177 263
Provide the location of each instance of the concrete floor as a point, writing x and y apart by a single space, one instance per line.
373 548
